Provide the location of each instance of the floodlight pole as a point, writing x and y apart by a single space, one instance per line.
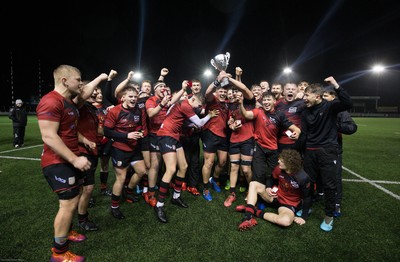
11 78
40 80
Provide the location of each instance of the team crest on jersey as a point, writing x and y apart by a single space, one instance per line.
136 119
292 109
294 184
273 120
71 180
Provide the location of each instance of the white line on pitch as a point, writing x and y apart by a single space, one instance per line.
20 158
19 149
372 183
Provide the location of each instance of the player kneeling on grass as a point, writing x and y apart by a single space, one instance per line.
292 188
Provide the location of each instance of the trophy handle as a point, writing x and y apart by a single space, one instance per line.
228 56
213 63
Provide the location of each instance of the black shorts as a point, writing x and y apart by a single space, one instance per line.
213 143
88 175
153 143
144 143
63 177
264 162
275 203
122 159
244 148
168 144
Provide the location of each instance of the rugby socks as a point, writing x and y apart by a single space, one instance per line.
249 211
162 193
83 218
115 201
60 244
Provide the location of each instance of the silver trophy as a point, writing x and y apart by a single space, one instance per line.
221 62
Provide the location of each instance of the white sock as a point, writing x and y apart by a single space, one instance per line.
176 195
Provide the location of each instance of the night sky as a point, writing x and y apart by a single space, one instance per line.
316 38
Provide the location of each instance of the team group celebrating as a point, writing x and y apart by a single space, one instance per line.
281 144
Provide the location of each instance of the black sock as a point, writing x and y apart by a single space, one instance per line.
83 218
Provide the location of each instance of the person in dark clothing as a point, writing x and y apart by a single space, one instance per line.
319 125
20 118
346 126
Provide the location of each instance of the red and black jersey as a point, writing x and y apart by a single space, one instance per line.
54 107
88 124
293 112
292 188
177 114
155 121
122 120
217 125
247 129
268 126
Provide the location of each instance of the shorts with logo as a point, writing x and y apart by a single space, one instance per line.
153 142
168 144
213 143
244 148
63 177
122 159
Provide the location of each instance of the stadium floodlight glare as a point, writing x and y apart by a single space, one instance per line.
378 69
207 73
287 70
137 76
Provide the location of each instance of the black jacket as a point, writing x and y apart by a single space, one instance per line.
19 116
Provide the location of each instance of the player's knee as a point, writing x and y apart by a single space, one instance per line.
284 221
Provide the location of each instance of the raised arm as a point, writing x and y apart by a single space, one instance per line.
88 89
121 85
249 115
209 94
164 72
242 87
344 100
238 72
108 98
178 94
